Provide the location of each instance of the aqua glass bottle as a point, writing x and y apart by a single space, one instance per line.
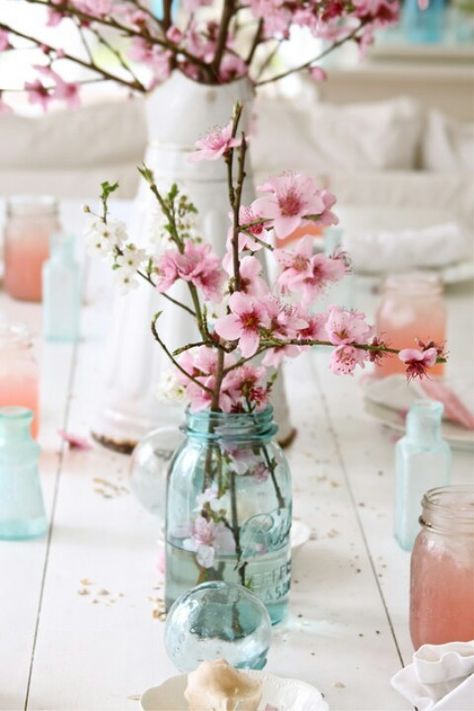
424 22
61 290
228 510
423 462
22 513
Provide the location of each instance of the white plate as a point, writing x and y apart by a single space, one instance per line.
284 694
457 436
299 535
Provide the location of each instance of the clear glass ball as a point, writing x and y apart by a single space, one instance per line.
218 620
149 467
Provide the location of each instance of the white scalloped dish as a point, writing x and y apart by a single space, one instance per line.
282 694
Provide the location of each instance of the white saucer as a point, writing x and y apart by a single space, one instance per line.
284 694
299 535
457 436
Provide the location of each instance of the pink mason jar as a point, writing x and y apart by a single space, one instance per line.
412 306
29 225
442 568
19 373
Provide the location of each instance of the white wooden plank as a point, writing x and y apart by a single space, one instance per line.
22 563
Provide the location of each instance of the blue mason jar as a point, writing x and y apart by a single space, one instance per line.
228 508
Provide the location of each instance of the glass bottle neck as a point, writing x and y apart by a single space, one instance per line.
449 510
231 427
15 424
424 422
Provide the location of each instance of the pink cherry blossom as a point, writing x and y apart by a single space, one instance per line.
251 281
291 198
54 17
4 41
253 239
276 16
207 538
244 323
345 327
201 364
174 34
315 328
75 441
306 273
344 359
248 384
197 264
38 94
62 90
232 67
318 73
418 361
215 144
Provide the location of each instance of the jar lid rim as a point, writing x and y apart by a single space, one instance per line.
26 205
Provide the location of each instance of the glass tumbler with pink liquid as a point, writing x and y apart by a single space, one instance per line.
442 568
19 376
30 223
412 307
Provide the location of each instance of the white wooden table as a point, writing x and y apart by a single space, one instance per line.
77 622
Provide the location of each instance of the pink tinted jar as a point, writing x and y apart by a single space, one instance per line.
442 568
29 225
19 373
412 306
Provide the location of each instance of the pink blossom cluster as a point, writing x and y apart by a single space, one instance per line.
196 264
324 20
239 385
202 45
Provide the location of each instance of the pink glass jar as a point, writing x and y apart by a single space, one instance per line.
30 223
19 375
442 568
412 306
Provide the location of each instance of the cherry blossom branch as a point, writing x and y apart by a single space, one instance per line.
173 359
255 43
228 11
305 65
118 55
111 22
174 234
92 66
150 281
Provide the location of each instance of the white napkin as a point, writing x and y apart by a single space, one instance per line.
396 393
441 677
399 250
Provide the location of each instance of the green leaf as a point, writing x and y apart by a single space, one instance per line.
107 189
146 173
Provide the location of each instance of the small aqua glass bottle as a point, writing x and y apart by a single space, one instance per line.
423 462
22 513
424 22
61 290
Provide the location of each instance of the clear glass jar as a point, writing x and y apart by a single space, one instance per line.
442 568
228 510
29 225
19 373
412 307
